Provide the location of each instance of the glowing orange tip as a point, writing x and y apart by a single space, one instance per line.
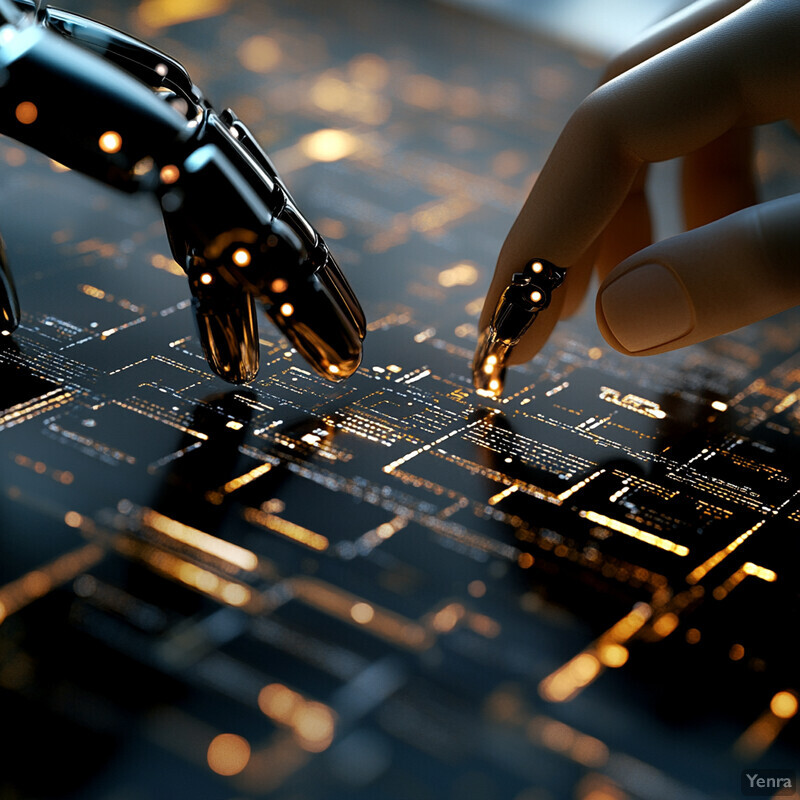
110 142
241 257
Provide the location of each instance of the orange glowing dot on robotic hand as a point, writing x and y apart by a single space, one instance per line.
110 142
287 309
169 173
26 112
206 278
537 266
241 257
536 297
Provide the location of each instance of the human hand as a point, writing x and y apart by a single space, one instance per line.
693 88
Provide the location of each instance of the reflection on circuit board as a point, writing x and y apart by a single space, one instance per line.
390 588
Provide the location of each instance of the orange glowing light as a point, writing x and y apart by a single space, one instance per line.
328 145
568 680
462 274
110 142
278 702
164 13
536 297
26 112
537 266
613 655
765 574
169 174
206 278
287 309
736 652
235 594
525 560
700 572
448 617
228 754
279 285
629 530
362 613
783 705
314 725
73 519
665 624
693 636
219 548
284 527
333 369
241 257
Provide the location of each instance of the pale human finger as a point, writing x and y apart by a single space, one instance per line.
706 282
673 30
750 68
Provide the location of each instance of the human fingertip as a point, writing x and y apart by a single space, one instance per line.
647 306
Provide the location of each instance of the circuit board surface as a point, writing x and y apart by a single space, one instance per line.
388 589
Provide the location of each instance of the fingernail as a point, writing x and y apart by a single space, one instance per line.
647 307
489 365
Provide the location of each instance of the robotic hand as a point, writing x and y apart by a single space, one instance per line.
110 106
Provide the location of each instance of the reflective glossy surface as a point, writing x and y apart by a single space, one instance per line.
138 122
529 292
389 588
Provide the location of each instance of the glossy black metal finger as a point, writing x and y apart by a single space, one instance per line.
333 278
226 323
223 200
301 300
314 322
529 292
286 210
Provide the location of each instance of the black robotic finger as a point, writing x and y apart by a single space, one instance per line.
529 292
226 323
138 123
335 282
302 301
286 210
319 328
